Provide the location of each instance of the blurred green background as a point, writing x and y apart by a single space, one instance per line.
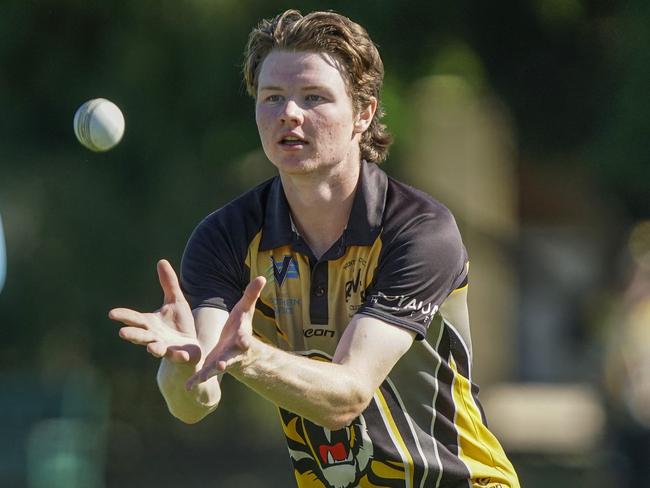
528 118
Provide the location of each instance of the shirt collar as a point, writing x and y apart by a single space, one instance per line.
367 212
278 229
365 219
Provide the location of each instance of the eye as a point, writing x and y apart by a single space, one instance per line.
313 98
273 98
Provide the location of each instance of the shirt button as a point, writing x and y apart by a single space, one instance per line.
319 291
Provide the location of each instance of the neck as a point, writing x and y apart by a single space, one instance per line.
320 206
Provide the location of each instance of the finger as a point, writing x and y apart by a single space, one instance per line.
173 353
136 335
177 355
205 373
189 353
169 282
243 340
251 294
128 317
157 349
189 384
192 382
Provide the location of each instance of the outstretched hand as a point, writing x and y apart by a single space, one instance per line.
169 331
236 336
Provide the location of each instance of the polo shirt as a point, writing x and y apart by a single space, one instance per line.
400 260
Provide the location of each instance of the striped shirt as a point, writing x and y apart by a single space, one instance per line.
400 260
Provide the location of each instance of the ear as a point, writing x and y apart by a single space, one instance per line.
364 117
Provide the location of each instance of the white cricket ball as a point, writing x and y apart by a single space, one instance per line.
99 124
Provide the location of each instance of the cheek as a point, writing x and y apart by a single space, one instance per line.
262 119
335 125
342 130
259 117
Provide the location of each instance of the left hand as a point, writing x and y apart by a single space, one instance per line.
236 336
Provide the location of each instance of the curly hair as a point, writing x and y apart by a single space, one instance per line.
348 42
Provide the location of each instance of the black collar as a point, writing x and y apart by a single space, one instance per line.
365 219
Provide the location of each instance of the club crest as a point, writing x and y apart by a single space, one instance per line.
287 268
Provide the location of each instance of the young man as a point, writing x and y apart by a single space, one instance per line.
332 290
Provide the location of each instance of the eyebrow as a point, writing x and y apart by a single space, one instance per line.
315 87
304 88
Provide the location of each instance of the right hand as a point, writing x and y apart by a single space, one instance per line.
168 332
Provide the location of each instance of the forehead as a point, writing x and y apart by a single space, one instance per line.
281 68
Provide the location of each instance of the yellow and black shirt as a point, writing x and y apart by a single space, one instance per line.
401 260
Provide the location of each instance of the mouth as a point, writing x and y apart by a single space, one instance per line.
292 141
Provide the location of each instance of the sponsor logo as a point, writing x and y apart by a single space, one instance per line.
404 303
352 262
318 333
354 286
287 268
284 306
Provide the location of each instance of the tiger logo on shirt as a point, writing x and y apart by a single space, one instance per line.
344 458
324 458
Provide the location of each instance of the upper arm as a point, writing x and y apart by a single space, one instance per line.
370 348
421 263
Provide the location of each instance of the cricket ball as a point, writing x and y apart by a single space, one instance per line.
99 124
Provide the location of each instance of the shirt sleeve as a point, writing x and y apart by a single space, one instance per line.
418 268
212 269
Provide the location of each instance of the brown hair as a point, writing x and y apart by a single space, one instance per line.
340 37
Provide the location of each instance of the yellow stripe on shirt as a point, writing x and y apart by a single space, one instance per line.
478 448
396 436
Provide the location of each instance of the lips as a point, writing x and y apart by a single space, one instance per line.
292 140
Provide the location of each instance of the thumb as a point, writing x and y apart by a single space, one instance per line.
169 282
252 293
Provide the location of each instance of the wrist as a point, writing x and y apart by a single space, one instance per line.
245 366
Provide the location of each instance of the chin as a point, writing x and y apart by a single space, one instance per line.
297 166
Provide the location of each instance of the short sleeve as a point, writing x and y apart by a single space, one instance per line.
212 269
418 268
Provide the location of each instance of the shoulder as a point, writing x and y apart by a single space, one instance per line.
420 238
422 259
412 213
238 220
213 268
225 234
245 212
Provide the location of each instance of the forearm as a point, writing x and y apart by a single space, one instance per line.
329 394
189 406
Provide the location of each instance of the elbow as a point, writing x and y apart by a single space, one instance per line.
342 415
340 420
190 409
187 418
190 414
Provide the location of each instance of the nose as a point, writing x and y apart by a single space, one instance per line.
292 113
